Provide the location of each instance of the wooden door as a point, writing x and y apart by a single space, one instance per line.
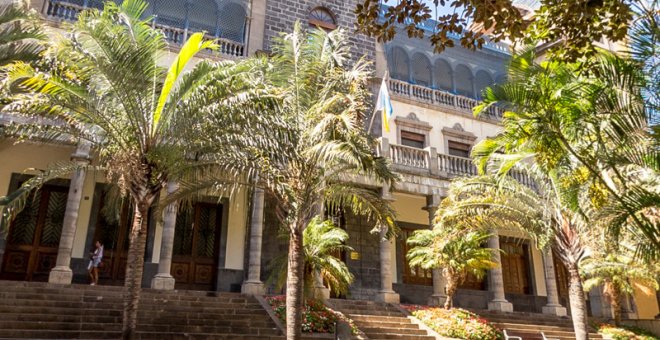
34 236
514 268
196 247
561 277
112 228
416 275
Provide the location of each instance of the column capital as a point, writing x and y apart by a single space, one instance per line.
82 153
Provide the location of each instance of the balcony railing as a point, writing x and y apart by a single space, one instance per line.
429 162
439 98
67 11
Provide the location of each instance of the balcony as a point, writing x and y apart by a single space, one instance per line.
176 28
429 163
439 98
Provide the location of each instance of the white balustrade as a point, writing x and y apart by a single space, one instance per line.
439 97
409 156
63 10
456 165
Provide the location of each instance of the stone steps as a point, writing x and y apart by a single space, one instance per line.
41 311
380 320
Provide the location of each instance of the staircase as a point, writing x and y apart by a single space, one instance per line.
530 325
41 311
380 320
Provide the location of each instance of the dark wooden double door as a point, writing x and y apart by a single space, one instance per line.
195 248
34 236
515 268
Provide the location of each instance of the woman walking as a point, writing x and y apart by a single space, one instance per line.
95 262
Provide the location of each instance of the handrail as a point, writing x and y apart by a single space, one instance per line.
440 98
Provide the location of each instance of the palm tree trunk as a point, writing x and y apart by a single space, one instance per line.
451 287
615 298
578 303
294 284
134 269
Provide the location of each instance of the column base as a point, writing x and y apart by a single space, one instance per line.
321 293
437 300
629 316
60 275
253 288
388 297
163 282
556 310
501 306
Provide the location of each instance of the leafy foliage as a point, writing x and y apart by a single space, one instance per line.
592 126
317 318
21 32
619 276
455 323
322 243
458 253
103 85
576 24
624 332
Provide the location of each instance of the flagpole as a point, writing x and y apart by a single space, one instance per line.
373 115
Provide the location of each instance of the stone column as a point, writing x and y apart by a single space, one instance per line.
496 287
164 280
321 292
553 307
386 293
253 285
439 296
61 273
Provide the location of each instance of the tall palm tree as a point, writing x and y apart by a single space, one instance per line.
592 118
146 122
457 254
325 101
322 243
545 213
21 32
619 275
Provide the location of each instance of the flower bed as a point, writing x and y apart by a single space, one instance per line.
317 318
455 323
624 332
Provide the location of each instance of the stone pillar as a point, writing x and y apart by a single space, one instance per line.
164 280
321 292
61 273
386 293
496 286
253 285
439 296
553 307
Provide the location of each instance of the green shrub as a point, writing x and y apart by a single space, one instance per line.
317 318
625 332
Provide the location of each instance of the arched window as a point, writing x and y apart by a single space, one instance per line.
203 16
463 79
482 80
399 64
421 70
323 18
232 22
442 75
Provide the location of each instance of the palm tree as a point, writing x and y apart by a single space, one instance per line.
326 149
458 254
322 243
545 213
21 32
619 275
145 122
592 118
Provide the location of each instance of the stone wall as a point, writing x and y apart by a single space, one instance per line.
272 245
282 14
366 267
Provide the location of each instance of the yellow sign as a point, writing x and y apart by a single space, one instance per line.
355 255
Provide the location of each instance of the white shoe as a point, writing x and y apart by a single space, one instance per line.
92 284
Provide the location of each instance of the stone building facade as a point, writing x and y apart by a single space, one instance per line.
431 134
